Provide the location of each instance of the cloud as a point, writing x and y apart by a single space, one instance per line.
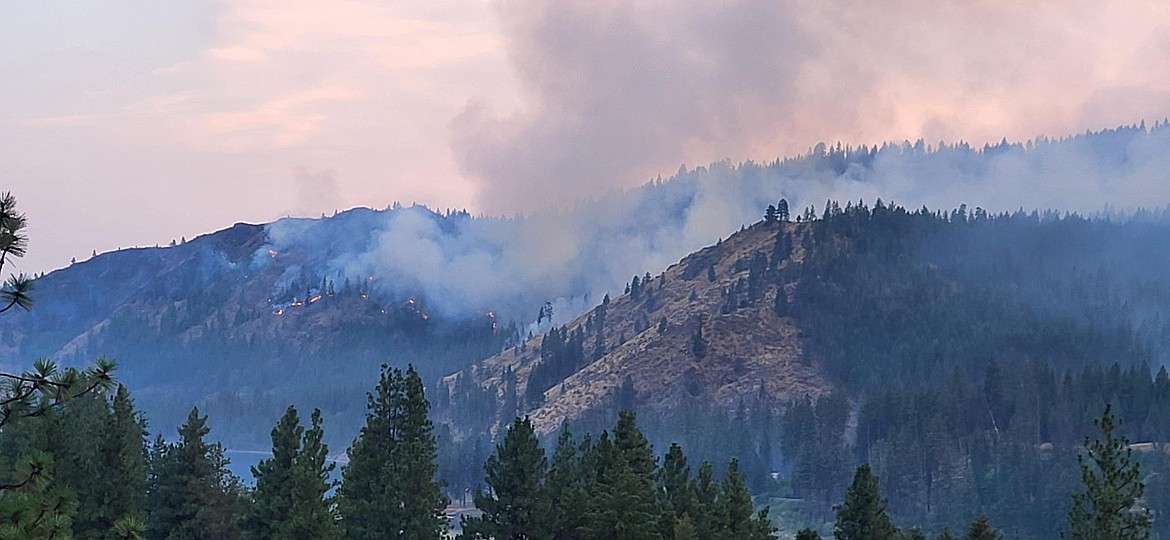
285 120
617 92
238 54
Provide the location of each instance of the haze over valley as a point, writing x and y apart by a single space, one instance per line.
567 270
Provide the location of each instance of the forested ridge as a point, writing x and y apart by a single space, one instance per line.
969 357
969 354
209 304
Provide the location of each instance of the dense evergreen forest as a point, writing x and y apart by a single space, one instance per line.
971 355
78 465
209 304
973 396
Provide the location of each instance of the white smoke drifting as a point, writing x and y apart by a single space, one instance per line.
464 265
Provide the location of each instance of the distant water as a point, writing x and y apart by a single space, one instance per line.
242 462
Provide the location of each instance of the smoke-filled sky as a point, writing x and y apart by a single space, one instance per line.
131 123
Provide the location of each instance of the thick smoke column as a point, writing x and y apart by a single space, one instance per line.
464 265
617 92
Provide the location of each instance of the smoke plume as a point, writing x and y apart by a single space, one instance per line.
464 265
618 92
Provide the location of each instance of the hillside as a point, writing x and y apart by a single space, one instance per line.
962 354
950 350
751 350
229 323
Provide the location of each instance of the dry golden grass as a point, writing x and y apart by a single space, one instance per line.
748 348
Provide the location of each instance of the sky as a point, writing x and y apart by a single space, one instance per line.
134 123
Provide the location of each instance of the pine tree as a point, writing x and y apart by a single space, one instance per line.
706 515
981 530
290 499
192 495
736 509
674 482
130 528
316 517
1108 508
621 503
124 454
633 446
807 534
781 249
98 456
863 514
272 499
364 497
631 503
914 534
565 488
698 343
516 506
34 507
389 489
74 435
425 503
782 210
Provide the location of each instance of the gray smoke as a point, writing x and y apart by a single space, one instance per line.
316 190
617 92
465 266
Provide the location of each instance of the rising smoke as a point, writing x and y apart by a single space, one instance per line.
464 265
617 92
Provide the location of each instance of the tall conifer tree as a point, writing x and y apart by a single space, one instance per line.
124 455
515 507
863 514
1108 508
565 488
290 500
389 489
736 510
192 493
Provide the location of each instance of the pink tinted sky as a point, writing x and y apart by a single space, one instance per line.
131 123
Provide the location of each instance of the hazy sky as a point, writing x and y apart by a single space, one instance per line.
131 123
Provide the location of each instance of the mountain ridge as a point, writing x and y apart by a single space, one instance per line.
751 350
